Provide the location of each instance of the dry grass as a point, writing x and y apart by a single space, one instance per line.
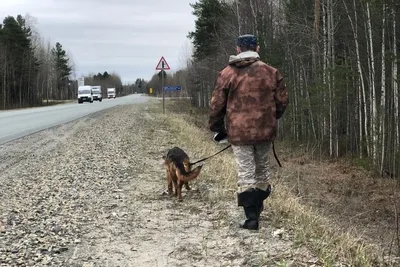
330 242
44 103
332 207
350 203
55 102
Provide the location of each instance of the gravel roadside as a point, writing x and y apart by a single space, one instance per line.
90 193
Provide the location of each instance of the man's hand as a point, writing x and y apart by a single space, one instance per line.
221 137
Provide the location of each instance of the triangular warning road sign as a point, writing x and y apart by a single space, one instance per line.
162 64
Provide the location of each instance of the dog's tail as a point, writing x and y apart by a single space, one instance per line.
185 176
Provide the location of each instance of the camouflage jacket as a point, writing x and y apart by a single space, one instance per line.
249 97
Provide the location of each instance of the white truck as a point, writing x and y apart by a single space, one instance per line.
97 96
111 92
85 94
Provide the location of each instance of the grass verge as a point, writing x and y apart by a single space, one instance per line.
334 245
56 102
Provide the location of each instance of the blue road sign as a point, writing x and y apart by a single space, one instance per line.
172 88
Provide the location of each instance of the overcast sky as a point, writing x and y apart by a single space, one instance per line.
125 36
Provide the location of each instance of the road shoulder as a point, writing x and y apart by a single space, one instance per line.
96 199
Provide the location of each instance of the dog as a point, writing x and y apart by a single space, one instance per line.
179 172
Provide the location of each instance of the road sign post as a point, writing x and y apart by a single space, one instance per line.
163 65
81 81
162 85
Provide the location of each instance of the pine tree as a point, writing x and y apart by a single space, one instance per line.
19 63
210 14
62 68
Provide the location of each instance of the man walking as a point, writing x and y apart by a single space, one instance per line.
249 96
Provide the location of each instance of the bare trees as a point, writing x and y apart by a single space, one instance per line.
106 80
340 60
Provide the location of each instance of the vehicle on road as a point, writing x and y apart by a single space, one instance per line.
85 94
97 96
111 92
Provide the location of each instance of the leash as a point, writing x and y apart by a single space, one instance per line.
276 157
211 156
204 159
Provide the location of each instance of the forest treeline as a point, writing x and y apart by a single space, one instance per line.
35 72
340 60
32 70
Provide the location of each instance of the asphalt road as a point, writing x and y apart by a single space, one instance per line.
15 124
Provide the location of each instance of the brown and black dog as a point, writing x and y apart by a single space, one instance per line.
179 172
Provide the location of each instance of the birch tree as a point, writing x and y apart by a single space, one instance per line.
374 118
383 90
395 83
334 57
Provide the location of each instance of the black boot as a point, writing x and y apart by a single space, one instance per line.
252 202
252 216
262 195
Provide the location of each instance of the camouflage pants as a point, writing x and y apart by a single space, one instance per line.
252 165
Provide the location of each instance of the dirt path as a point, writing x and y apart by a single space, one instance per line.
90 193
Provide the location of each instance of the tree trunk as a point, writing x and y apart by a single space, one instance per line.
395 82
374 118
317 17
334 114
309 104
361 84
383 91
295 99
5 81
329 73
325 66
238 17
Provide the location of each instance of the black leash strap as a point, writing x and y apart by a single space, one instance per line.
210 156
273 149
276 157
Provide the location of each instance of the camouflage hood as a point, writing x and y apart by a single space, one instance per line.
244 59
